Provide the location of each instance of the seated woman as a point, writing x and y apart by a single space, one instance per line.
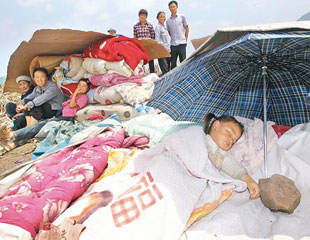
77 100
19 120
44 102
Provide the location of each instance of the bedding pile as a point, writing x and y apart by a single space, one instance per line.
115 67
45 190
155 195
168 191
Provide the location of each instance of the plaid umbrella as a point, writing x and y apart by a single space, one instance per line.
230 80
259 75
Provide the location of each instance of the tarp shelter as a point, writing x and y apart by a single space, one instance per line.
60 42
225 35
305 17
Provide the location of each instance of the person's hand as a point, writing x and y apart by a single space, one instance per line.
17 115
253 187
77 91
20 108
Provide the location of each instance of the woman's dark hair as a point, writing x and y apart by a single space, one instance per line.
41 69
142 11
210 118
159 14
172 2
87 81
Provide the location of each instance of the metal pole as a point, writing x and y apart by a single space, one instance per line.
264 73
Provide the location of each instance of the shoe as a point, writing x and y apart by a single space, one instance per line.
7 145
5 133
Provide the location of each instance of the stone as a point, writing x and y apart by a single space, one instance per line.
279 193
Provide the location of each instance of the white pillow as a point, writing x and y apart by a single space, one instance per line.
107 95
90 95
249 149
74 66
95 66
119 67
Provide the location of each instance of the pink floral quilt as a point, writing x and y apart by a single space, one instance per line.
47 188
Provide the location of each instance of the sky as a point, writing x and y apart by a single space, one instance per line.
19 19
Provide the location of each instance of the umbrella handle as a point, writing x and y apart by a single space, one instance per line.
264 73
308 98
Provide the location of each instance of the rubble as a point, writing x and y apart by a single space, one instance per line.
279 193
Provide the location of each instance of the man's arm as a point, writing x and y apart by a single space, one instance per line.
135 35
186 32
152 32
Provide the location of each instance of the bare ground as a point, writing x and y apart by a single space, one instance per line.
18 155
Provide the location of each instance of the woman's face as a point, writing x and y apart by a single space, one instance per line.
162 18
24 86
225 134
142 18
40 78
83 87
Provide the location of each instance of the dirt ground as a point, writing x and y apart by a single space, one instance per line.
17 155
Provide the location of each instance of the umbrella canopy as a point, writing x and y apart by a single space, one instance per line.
229 79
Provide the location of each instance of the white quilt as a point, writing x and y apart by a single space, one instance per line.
240 218
156 203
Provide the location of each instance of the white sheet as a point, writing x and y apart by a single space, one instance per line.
180 171
241 218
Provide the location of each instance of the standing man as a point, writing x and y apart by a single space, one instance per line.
178 29
144 30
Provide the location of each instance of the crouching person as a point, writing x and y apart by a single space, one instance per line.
44 102
19 120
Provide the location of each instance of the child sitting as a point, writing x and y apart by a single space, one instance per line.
77 100
44 102
221 134
19 120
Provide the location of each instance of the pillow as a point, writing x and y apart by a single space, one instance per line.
134 94
74 66
95 66
79 75
124 112
152 77
249 149
69 88
58 76
107 96
119 67
90 95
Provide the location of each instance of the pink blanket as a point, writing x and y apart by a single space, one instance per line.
111 79
47 189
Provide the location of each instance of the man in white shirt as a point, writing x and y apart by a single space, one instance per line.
178 29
